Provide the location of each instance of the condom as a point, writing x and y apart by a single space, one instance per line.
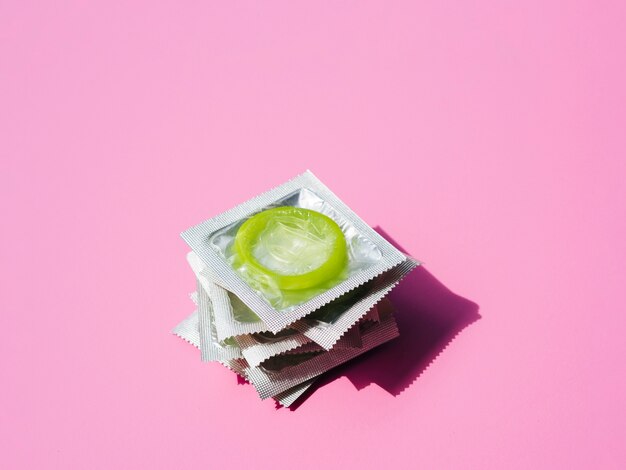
289 251
290 284
296 248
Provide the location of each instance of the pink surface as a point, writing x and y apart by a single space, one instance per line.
486 139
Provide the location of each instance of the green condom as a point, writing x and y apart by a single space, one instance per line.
296 248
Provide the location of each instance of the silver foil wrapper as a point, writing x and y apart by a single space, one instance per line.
369 254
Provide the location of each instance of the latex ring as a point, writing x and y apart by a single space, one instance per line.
297 248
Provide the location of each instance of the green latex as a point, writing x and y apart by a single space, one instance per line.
291 248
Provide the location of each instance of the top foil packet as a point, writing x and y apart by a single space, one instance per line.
291 250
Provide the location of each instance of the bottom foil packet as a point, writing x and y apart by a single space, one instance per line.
189 330
286 371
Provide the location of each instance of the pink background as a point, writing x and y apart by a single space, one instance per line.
486 139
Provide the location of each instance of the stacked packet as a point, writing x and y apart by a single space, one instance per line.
290 284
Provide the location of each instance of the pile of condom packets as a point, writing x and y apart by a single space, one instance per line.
290 284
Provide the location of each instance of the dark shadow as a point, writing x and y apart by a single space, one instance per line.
429 316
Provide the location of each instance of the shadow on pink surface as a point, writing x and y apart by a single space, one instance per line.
429 317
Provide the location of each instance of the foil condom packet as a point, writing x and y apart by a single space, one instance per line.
211 349
286 371
326 326
259 347
189 330
233 317
255 347
291 250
